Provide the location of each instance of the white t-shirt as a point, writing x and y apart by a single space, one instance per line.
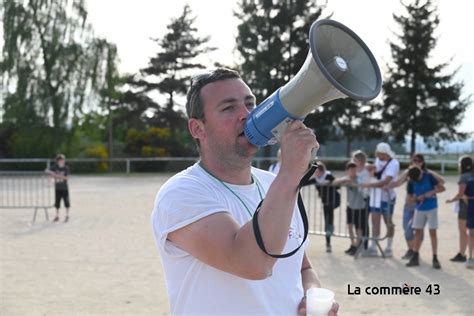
392 170
274 168
195 288
363 176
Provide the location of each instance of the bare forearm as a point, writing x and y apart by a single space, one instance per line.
274 221
309 277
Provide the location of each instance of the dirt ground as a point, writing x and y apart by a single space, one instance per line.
104 261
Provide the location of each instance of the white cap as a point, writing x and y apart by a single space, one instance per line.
384 148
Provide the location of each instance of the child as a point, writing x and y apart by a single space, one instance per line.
330 198
60 173
469 196
422 189
363 175
409 207
356 212
466 174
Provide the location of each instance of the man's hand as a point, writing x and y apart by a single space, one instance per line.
296 145
302 308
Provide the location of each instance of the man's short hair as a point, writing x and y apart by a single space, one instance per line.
60 157
414 173
350 165
194 106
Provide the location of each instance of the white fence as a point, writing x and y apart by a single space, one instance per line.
168 164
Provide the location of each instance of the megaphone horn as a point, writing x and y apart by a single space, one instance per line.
339 65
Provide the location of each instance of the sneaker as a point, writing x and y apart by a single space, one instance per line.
66 219
436 264
349 249
413 261
470 263
388 252
353 251
458 258
56 219
408 254
328 248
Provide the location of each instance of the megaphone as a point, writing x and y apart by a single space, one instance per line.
339 65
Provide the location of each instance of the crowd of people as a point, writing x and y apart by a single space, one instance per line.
371 195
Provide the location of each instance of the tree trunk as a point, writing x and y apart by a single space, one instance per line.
413 142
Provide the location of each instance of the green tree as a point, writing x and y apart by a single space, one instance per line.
49 66
273 41
168 72
347 119
419 99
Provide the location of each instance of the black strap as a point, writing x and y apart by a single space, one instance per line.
304 217
379 173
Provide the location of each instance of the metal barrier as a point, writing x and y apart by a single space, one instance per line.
25 189
337 204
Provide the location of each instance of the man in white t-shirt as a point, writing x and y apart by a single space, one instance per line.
382 198
202 218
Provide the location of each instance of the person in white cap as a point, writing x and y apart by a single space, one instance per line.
386 172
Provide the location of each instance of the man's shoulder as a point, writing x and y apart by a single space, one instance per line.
184 179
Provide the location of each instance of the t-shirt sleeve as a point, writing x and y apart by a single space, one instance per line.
179 205
433 180
464 178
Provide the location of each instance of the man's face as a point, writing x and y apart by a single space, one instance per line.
382 156
227 104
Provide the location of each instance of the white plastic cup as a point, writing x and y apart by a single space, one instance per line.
319 301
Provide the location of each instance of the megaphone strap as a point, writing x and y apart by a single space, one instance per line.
304 218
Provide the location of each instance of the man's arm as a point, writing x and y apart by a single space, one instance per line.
437 176
310 279
219 241
309 276
378 184
400 180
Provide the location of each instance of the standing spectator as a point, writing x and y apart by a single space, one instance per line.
417 160
383 200
275 167
363 176
330 198
356 212
466 171
60 172
469 196
422 188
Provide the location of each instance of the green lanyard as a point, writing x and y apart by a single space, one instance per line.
232 191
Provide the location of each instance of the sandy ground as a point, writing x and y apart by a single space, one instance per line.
104 262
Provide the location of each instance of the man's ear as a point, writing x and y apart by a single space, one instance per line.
196 128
